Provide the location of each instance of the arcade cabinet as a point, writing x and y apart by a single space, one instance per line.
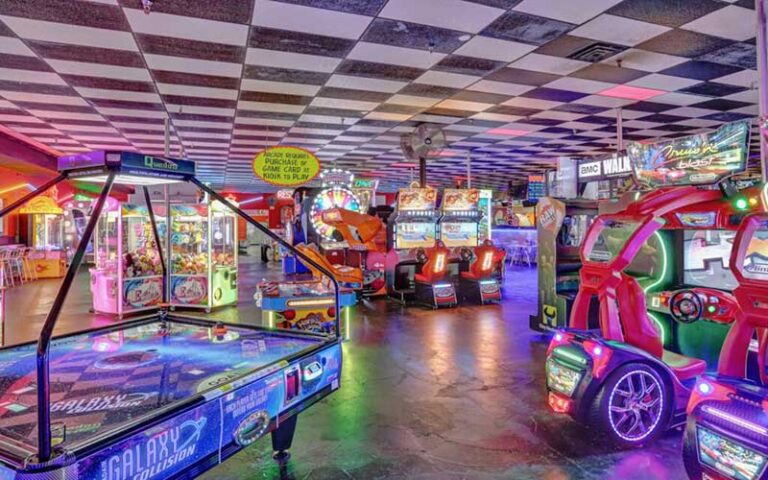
458 227
41 227
560 226
411 229
432 288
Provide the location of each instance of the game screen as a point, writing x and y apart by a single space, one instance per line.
574 230
459 234
728 457
611 238
756 256
415 235
706 255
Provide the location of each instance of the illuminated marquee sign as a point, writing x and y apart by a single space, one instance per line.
613 166
286 166
697 160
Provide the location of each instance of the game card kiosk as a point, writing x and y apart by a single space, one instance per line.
479 284
128 276
458 226
626 379
411 229
41 227
726 435
203 271
561 226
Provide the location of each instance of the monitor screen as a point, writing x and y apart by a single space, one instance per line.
415 235
706 254
458 234
756 257
611 237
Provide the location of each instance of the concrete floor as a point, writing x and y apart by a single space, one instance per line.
452 394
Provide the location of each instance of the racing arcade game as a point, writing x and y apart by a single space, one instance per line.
458 227
411 230
621 379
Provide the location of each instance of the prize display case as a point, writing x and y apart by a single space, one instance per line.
41 223
128 274
203 256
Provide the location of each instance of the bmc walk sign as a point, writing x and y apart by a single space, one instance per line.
286 166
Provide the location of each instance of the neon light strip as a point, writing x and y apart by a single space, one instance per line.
308 303
659 280
736 420
16 187
570 356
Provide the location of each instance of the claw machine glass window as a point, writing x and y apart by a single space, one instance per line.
203 256
128 275
42 228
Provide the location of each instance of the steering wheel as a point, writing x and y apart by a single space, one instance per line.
686 306
421 256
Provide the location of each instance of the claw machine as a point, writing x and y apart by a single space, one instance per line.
41 227
128 272
203 256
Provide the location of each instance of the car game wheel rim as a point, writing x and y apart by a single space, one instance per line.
636 405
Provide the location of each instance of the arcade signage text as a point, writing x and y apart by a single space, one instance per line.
614 166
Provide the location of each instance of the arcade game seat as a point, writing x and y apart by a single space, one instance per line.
726 435
479 283
432 288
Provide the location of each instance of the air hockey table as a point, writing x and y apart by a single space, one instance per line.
160 396
164 396
304 305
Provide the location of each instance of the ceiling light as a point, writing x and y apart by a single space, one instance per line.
631 93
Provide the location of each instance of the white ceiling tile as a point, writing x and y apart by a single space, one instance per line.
732 22
30 76
452 14
15 96
446 79
260 121
579 85
699 122
329 119
191 28
386 116
748 110
496 117
128 96
69 34
555 115
366 84
566 10
531 103
494 49
345 104
548 64
290 60
658 81
682 99
410 100
392 55
198 110
463 105
100 70
501 88
299 18
749 96
65 115
14 46
249 84
269 107
601 101
619 30
692 112
194 91
743 78
644 60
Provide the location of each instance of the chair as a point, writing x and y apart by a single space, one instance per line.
431 287
30 272
479 283
6 266
16 264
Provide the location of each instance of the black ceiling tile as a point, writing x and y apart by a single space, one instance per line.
700 70
468 65
360 7
564 46
549 122
712 89
480 97
285 75
424 90
740 54
481 123
684 43
522 77
661 118
526 28
333 112
449 112
345 93
505 4
577 138
268 115
265 97
579 108
23 62
674 128
598 120
671 13
178 78
413 35
746 4
45 89
510 110
233 11
603 72
378 70
68 12
720 104
197 117
297 42
182 47
553 94
558 130
83 53
652 107
103 102
726 116
634 138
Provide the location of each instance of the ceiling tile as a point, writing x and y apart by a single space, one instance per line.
451 14
684 43
493 49
671 13
526 28
548 64
726 22
620 30
566 10
298 18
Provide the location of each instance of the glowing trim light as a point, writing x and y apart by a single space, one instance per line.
16 187
569 356
658 281
309 303
704 388
487 260
735 420
439 263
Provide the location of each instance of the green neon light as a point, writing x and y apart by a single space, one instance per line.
570 356
741 204
657 282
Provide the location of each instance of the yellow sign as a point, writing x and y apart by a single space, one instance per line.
43 205
286 166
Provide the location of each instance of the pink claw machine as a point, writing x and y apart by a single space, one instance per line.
128 274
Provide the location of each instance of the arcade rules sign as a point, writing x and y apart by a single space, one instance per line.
697 160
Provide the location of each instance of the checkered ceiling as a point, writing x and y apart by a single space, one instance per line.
514 83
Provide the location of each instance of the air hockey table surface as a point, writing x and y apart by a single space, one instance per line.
116 390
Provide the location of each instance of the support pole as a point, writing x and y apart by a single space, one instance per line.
423 172
44 446
761 8
156 235
469 169
619 145
41 189
167 128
